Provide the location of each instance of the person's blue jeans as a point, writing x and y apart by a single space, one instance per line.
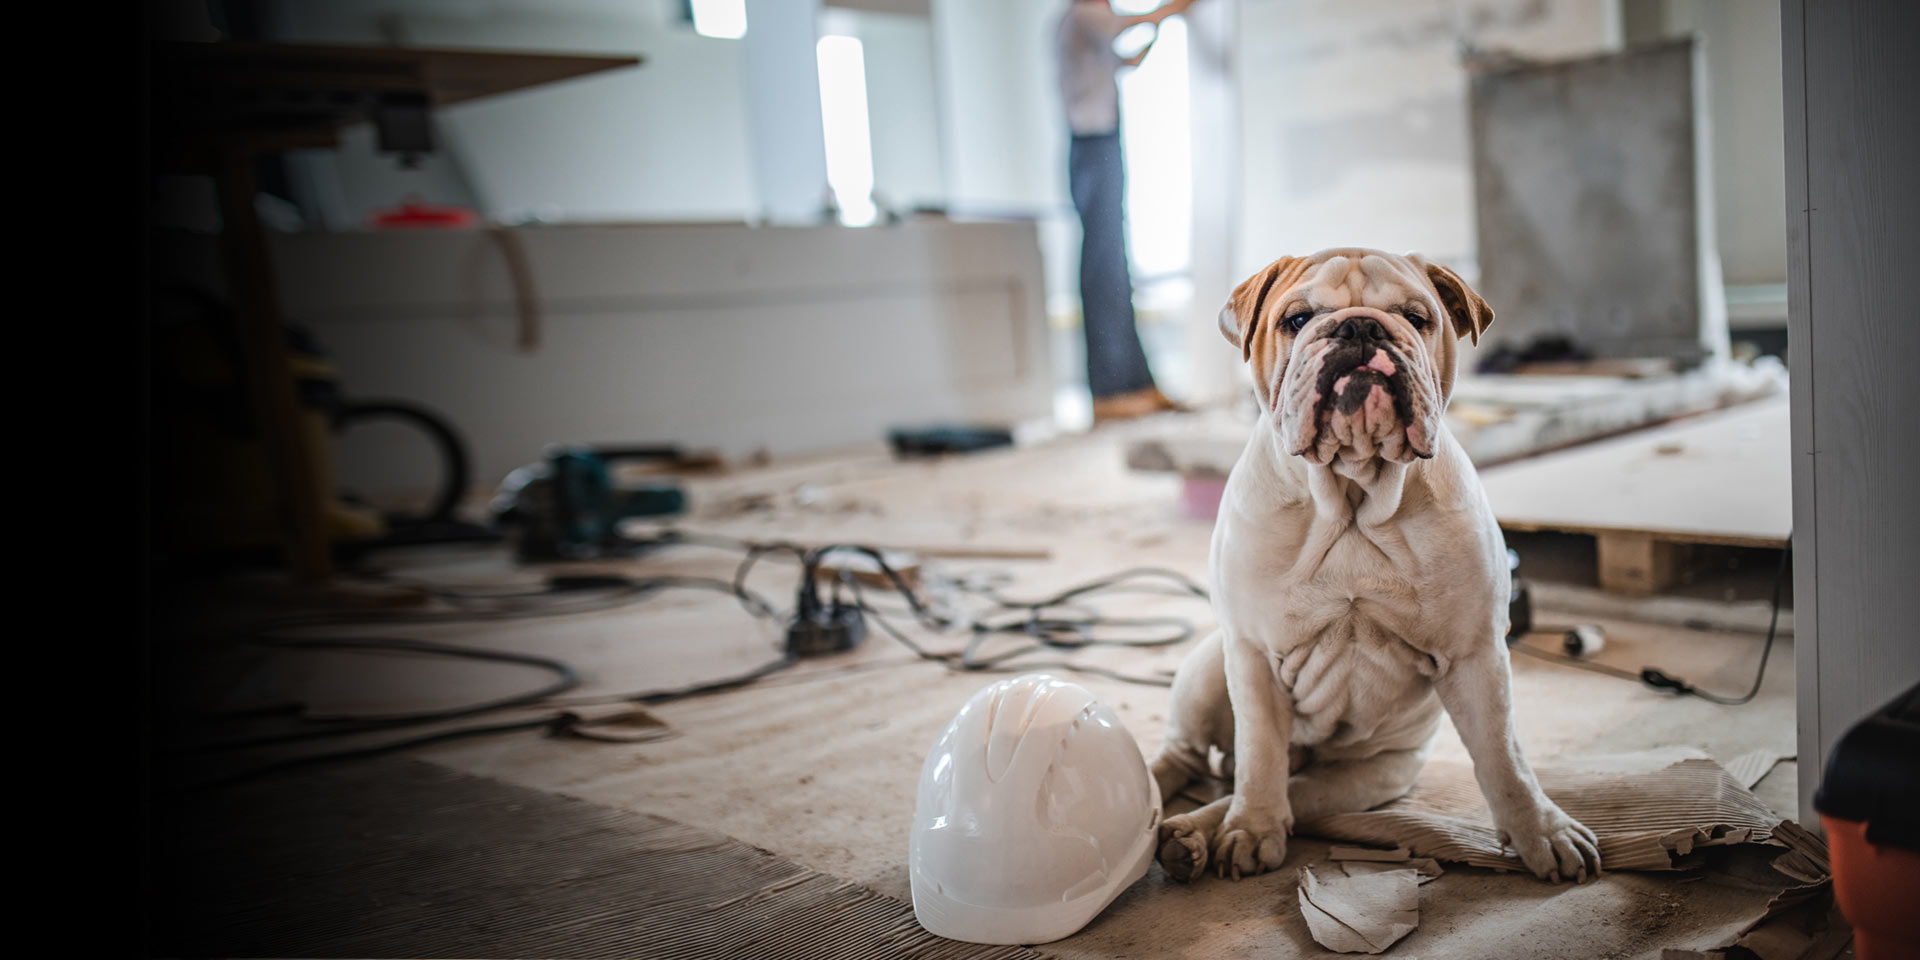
1116 363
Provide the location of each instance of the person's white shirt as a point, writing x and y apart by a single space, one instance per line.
1088 64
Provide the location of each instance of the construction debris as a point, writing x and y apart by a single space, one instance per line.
1360 861
1801 922
1649 810
1361 914
1753 766
620 722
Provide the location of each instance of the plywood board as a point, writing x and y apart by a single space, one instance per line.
1721 478
1587 199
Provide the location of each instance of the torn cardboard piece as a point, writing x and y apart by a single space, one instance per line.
1803 923
1809 929
1806 856
1359 861
1427 869
1753 766
1360 914
1396 855
622 722
1647 809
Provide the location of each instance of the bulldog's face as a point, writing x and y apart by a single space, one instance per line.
1352 350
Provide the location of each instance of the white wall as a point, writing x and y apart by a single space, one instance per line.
785 131
665 141
1215 370
1353 117
903 104
1742 49
1005 136
785 339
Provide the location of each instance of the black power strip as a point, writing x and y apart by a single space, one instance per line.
825 630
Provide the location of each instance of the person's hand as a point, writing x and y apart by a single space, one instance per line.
1153 34
1135 60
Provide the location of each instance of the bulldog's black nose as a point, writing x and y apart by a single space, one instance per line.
1366 328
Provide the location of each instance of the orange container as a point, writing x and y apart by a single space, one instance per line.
1869 803
1879 891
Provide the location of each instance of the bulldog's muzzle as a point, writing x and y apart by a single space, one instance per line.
1364 369
1356 387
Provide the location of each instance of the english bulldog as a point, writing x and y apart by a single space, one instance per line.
1359 579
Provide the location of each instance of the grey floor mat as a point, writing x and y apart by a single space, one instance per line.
400 858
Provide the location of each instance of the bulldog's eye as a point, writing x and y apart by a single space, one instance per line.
1415 317
1294 321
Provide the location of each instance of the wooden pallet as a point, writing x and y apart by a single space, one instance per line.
1722 478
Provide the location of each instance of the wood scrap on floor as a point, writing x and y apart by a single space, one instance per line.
1499 419
865 569
1515 420
1724 479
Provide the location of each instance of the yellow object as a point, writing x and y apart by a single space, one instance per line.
224 491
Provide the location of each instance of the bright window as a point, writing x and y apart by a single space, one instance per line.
843 115
726 19
1156 136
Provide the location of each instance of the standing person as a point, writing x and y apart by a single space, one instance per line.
1117 370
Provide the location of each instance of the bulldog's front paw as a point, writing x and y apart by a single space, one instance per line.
1183 848
1251 842
1553 845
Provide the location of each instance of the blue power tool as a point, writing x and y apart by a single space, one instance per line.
569 506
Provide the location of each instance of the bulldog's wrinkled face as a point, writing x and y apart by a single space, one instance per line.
1352 350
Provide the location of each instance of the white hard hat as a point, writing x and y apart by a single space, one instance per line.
1035 811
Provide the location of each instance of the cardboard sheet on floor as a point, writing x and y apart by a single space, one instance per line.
1801 922
1359 861
1648 809
1360 914
1753 766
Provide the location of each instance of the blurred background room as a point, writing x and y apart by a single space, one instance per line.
670 411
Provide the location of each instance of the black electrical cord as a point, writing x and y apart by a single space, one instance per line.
702 689
1063 632
963 661
625 590
1659 679
1053 622
566 678
1030 619
1031 615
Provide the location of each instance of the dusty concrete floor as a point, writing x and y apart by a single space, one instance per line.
820 763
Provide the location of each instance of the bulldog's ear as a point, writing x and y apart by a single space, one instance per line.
1470 313
1244 307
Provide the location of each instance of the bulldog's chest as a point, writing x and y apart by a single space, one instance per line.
1346 634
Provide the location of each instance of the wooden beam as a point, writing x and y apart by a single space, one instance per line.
1636 563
